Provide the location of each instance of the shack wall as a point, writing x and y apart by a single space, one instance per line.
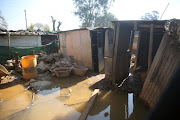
21 41
77 44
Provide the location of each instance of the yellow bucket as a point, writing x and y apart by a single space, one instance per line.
29 67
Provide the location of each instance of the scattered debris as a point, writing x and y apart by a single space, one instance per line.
42 67
31 81
106 114
40 85
68 95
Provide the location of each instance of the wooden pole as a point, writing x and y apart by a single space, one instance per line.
16 59
33 52
86 110
137 51
115 54
25 19
9 46
150 45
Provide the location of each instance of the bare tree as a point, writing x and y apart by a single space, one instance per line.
59 24
53 20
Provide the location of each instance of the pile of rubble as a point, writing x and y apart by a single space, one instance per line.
48 63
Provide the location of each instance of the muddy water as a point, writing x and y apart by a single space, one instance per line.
65 100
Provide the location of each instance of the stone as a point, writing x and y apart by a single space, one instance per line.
42 67
31 81
40 85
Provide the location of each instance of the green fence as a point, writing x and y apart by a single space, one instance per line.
4 54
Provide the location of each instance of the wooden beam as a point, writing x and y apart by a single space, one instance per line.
150 45
16 60
86 110
135 26
137 50
116 42
148 26
33 52
9 46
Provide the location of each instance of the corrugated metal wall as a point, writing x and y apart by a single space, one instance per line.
121 59
164 65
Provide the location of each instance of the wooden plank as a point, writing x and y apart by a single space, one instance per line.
86 110
115 53
16 59
148 26
150 45
135 62
9 46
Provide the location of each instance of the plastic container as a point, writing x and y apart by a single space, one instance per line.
63 71
29 67
79 70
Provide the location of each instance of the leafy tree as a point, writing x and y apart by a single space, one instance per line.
38 26
105 20
88 10
3 23
154 15
46 27
31 27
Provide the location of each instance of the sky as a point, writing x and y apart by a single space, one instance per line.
39 11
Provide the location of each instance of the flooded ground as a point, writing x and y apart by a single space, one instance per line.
58 103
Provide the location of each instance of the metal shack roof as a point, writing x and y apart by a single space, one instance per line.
88 28
131 22
25 33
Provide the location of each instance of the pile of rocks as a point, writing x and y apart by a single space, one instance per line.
48 63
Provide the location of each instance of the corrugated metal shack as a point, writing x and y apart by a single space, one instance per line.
149 37
157 53
86 45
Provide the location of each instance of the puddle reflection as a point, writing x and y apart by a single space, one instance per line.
119 106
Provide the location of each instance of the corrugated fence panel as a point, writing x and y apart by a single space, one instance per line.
165 63
123 56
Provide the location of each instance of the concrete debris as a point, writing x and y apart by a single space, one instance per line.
42 67
40 85
63 63
31 81
48 63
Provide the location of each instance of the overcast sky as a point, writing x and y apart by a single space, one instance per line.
62 10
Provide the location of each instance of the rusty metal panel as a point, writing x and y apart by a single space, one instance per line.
77 44
108 67
121 58
109 43
73 46
166 62
86 50
62 41
100 45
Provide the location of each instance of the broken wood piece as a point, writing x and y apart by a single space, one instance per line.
16 60
150 45
33 52
86 110
75 103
